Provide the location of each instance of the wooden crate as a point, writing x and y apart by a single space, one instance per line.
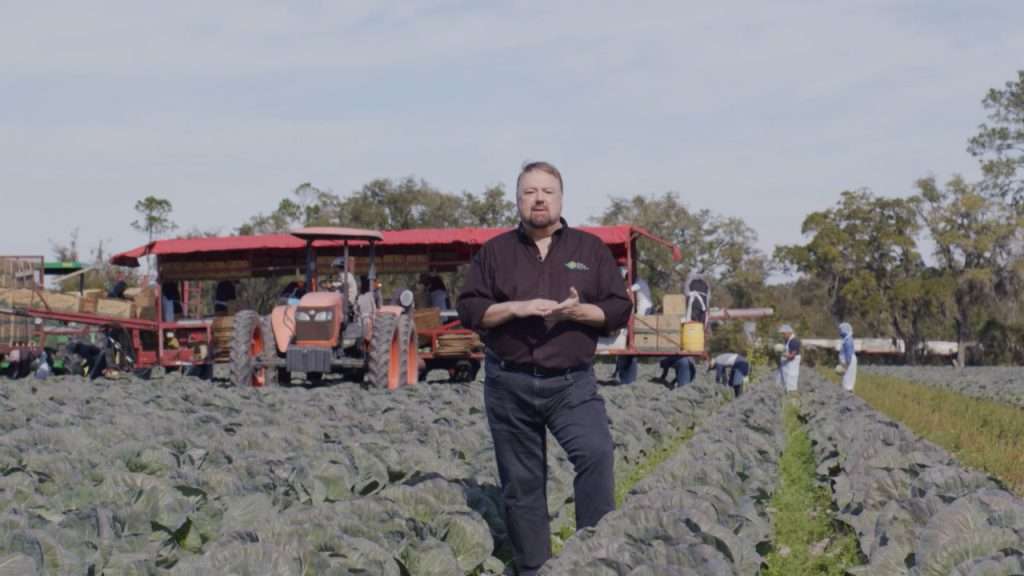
646 342
114 308
457 344
645 324
673 304
223 332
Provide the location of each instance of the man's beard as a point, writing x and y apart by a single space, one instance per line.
540 220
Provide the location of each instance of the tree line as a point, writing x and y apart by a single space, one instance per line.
943 263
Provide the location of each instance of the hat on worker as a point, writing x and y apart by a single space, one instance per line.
845 329
338 262
785 329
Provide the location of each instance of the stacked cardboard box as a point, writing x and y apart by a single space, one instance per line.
656 333
144 303
56 302
114 308
673 304
16 297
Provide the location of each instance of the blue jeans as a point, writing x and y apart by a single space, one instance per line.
686 370
521 408
626 368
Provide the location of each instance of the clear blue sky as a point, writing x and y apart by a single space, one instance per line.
763 110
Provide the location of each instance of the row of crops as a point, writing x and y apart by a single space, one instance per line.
1003 384
914 509
177 476
702 512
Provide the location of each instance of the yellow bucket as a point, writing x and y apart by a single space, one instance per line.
692 336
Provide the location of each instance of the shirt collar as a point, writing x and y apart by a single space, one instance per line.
524 237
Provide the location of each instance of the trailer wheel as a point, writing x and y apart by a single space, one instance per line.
384 356
464 371
409 371
252 351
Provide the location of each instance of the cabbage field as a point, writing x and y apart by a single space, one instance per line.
1000 383
181 476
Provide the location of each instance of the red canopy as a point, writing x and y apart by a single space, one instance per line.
460 240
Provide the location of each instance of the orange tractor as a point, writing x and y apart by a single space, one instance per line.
323 332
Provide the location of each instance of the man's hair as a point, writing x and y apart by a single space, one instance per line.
545 167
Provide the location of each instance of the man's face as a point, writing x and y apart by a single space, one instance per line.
539 198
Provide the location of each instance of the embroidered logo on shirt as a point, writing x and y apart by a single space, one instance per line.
574 265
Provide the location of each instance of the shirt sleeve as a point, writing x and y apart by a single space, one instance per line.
477 294
611 292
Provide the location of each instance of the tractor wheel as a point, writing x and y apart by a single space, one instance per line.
252 350
409 372
384 368
284 377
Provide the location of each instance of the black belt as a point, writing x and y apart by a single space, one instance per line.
541 371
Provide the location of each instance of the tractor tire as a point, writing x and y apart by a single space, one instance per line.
252 351
384 369
270 356
409 372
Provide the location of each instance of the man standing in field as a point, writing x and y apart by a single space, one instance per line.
789 362
541 295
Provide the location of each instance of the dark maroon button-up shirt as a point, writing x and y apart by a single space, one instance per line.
509 268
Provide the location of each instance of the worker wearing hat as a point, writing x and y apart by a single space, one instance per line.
789 362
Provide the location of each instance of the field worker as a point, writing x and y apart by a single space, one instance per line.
721 365
345 282
541 295
789 362
847 357
223 295
626 367
118 288
686 371
437 292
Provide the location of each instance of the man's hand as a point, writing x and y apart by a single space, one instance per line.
535 307
572 309
500 313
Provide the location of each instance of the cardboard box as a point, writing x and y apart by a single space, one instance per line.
87 305
114 308
144 298
55 302
646 342
669 322
673 304
645 324
669 341
427 318
17 297
145 312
